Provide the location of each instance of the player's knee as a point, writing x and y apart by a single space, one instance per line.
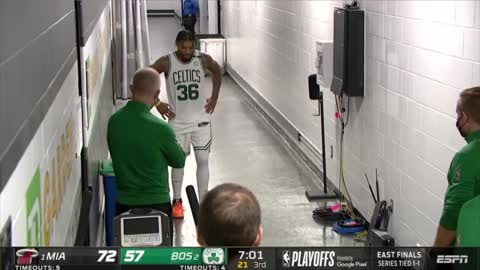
202 158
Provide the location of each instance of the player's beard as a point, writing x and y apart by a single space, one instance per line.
186 58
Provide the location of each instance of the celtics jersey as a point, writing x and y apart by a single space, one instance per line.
186 93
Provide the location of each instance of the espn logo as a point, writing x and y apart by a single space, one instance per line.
452 259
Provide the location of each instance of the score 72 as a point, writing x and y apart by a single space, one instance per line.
133 255
107 256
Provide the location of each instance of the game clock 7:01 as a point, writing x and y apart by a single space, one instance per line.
250 255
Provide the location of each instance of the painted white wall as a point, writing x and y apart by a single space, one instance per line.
419 55
53 158
178 8
203 20
212 17
96 51
162 4
48 152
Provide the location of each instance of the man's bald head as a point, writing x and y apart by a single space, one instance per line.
146 82
229 215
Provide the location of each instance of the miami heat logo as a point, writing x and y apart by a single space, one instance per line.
26 255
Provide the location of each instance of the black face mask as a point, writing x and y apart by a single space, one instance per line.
459 127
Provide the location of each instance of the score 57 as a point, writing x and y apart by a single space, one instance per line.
133 255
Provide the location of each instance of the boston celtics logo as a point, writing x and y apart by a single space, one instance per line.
458 174
213 256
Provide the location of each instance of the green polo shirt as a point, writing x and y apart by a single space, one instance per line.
463 181
468 234
142 147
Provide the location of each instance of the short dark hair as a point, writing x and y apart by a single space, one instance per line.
185 35
145 81
470 102
229 215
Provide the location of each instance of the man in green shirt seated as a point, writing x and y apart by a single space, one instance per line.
142 147
464 172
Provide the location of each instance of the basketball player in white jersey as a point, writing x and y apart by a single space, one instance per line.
189 108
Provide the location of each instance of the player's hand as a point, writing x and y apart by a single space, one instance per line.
165 110
211 103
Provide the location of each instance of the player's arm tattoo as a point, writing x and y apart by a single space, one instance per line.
162 65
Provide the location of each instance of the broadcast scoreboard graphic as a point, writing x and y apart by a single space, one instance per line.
221 258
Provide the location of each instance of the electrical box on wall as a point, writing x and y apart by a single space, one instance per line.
324 63
348 52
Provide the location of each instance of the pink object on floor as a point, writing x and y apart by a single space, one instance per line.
336 207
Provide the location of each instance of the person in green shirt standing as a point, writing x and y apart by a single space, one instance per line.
468 227
142 146
464 172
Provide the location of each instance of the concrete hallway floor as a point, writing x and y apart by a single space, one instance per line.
246 150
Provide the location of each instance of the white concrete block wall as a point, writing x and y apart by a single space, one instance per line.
419 56
162 4
212 17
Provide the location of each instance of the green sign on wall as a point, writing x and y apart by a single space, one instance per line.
34 211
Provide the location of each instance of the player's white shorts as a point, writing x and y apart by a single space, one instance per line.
200 138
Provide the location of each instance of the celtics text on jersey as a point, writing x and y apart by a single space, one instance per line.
186 92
